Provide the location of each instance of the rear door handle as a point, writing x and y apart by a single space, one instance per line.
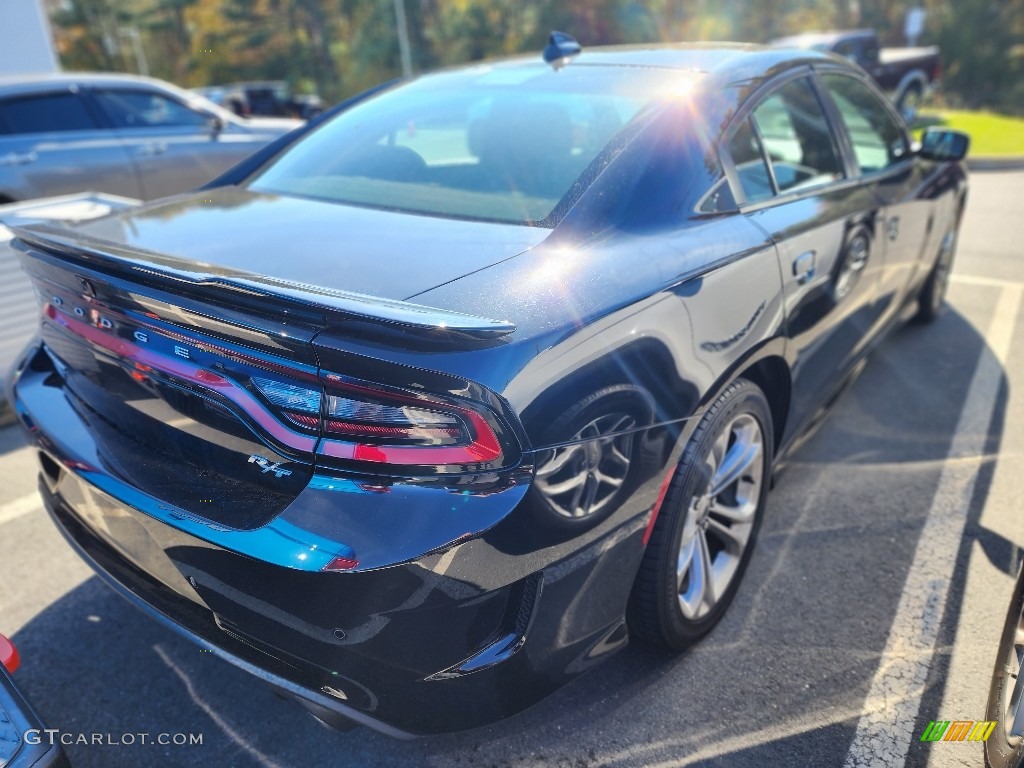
892 227
803 267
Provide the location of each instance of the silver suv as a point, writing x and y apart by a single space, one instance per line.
121 134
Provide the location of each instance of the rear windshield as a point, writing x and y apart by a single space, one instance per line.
503 143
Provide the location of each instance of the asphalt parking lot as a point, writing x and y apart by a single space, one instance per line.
873 603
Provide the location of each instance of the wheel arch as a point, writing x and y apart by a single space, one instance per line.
646 363
772 375
915 78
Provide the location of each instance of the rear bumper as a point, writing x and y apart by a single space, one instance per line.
160 605
19 729
442 639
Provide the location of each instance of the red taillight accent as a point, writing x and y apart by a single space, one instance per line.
657 504
483 449
342 564
377 430
211 379
9 655
478 444
303 419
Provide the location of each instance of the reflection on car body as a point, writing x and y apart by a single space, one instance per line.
119 134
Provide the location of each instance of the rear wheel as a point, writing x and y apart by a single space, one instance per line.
1005 747
705 531
933 292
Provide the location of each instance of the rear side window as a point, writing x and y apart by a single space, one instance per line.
146 109
877 137
751 168
797 138
45 114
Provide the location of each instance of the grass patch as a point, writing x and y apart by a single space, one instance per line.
992 135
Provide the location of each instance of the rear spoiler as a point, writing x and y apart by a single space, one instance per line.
146 266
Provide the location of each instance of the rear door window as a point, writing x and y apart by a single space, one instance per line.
48 113
147 109
797 138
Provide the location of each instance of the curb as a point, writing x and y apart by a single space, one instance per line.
995 163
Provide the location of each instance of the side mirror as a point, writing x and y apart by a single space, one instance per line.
942 144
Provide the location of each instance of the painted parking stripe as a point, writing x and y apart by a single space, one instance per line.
885 730
12 510
991 282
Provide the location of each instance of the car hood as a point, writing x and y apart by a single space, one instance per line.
362 250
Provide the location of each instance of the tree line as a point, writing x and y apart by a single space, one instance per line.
339 47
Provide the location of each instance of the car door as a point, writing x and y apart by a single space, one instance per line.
51 143
792 179
883 160
175 147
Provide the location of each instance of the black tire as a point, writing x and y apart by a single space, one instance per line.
623 405
1000 750
910 103
655 611
932 296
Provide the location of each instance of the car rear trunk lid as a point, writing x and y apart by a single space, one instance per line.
162 381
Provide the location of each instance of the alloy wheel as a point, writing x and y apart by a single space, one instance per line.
721 516
1013 712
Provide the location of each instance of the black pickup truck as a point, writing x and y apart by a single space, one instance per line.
906 74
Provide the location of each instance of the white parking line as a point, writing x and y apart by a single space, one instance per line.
22 506
991 282
885 729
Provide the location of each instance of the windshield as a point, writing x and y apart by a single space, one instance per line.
503 143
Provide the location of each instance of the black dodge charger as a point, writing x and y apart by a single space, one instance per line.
437 404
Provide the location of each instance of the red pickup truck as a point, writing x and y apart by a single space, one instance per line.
906 74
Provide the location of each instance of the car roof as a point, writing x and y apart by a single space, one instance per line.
702 57
48 80
724 62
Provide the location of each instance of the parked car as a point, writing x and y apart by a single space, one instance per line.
272 98
23 740
120 134
908 75
430 411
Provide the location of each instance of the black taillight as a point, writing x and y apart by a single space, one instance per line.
371 423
